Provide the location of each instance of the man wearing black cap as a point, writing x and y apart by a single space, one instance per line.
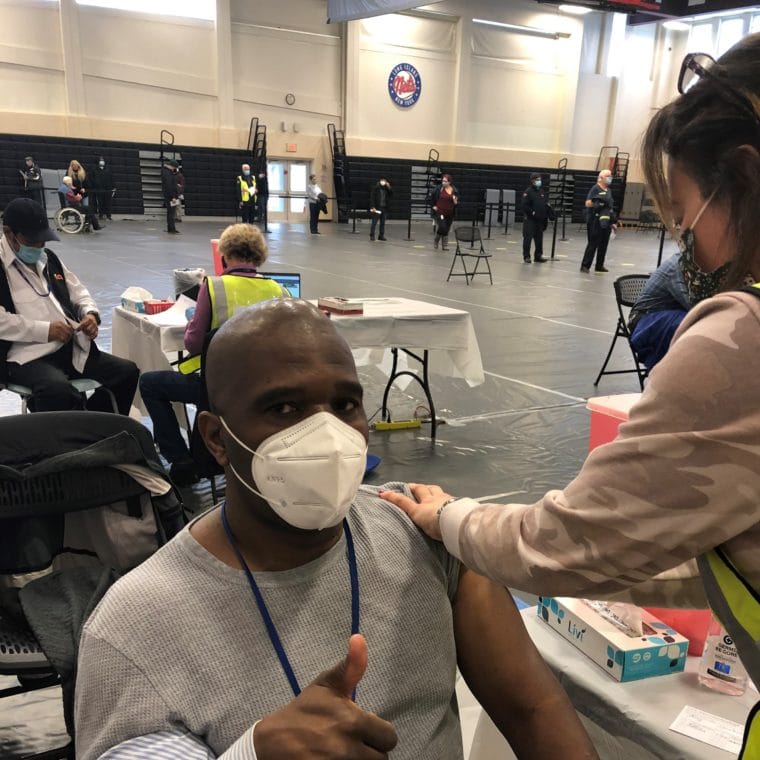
536 215
171 193
32 178
49 321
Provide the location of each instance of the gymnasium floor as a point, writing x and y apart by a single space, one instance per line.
543 331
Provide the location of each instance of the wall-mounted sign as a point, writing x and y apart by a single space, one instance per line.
291 148
404 85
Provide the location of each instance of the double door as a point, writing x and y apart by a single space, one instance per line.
287 190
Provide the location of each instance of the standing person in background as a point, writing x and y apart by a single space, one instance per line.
600 221
170 190
78 176
379 200
32 178
536 215
262 195
313 191
246 188
179 211
443 200
101 181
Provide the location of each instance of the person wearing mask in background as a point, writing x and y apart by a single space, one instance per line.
32 179
101 182
600 221
49 321
75 199
262 196
179 209
313 191
443 200
681 482
243 250
379 201
218 645
246 191
536 214
170 190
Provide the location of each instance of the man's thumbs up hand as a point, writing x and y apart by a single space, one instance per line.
345 676
323 723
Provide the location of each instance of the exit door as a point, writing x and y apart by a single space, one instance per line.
288 179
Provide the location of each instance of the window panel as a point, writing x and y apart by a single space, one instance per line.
202 9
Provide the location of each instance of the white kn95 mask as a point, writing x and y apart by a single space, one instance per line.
310 472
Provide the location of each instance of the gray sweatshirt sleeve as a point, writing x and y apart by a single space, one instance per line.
119 713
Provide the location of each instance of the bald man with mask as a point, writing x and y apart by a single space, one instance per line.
217 645
600 221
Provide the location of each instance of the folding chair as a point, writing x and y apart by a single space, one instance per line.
83 498
469 235
83 385
627 291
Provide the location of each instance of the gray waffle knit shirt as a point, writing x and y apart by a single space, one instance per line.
179 644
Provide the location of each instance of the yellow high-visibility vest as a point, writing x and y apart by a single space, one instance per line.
737 606
228 293
247 188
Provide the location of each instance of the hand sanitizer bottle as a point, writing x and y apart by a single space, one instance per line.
720 668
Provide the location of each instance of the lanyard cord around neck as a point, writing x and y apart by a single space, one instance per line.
20 268
264 610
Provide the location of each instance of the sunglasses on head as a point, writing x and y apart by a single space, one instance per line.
698 66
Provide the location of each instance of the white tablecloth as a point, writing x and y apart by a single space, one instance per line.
627 721
446 333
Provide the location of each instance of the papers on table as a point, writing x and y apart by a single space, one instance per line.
708 728
175 316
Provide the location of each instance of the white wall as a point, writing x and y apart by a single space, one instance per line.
489 94
119 75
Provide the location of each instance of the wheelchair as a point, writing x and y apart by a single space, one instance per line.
70 219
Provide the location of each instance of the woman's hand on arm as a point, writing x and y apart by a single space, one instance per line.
423 508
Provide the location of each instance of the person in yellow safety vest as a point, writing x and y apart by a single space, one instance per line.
681 482
243 250
246 187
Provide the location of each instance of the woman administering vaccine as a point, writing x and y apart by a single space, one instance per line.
682 481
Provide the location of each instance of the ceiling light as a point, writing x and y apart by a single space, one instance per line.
676 26
575 10
535 31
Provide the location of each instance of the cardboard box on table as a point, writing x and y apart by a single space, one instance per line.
659 651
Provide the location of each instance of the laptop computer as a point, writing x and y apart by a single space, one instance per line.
290 281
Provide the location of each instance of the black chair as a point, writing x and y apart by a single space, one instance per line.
470 235
83 498
627 291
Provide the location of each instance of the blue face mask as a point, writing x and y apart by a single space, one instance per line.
536 183
246 172
29 254
608 181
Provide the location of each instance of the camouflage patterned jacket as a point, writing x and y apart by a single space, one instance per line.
682 477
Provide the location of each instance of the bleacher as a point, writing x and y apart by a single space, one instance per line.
210 172
471 180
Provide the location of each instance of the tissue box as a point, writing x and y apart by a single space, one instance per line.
155 306
341 305
659 651
131 304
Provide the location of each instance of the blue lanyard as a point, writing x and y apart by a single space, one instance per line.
264 610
